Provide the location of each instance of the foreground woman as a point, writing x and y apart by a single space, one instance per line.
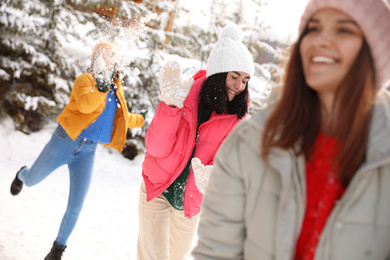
308 177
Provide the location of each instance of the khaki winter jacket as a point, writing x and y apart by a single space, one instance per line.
86 104
254 210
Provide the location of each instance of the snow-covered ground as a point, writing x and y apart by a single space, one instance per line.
108 225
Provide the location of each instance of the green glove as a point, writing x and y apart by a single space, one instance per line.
143 114
102 83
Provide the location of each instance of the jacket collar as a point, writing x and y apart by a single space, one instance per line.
378 150
192 99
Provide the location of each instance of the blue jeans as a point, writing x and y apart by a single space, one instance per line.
79 155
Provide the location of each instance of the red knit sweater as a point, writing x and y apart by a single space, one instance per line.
323 190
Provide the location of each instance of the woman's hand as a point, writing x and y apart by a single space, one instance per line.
116 73
173 89
102 83
201 173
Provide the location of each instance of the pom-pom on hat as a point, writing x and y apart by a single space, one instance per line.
229 54
373 17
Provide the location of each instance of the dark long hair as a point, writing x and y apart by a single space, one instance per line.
213 96
296 118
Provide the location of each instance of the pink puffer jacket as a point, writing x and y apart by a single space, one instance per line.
170 140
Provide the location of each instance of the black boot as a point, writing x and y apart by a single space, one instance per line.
55 252
17 185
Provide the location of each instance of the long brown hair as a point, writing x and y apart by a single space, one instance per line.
296 119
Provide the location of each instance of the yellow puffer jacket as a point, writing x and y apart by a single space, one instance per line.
86 104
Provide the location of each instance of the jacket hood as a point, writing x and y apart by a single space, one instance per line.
199 74
379 135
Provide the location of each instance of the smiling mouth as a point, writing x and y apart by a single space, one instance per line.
321 59
231 92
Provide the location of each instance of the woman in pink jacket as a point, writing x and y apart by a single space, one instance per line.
190 123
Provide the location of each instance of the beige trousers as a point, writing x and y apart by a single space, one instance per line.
164 232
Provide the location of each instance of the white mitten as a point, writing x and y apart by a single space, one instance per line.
173 89
201 173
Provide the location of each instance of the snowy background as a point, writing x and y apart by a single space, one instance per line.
108 225
45 45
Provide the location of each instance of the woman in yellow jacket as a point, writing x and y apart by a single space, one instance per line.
96 113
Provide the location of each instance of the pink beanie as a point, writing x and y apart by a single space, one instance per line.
373 17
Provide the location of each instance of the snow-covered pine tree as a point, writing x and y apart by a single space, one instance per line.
151 46
41 50
46 44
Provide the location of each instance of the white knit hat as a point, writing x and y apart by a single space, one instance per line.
373 17
229 54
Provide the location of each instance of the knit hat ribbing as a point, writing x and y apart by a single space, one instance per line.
229 54
373 17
